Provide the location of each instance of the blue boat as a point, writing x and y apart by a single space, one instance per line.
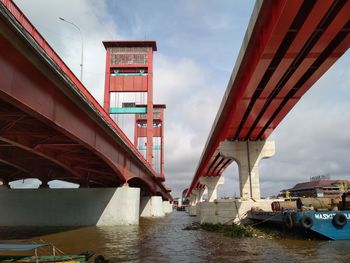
330 224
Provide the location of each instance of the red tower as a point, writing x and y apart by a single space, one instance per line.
129 91
158 136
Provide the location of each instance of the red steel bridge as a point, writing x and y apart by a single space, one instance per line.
50 125
288 46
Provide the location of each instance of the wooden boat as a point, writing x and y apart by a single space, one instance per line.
36 258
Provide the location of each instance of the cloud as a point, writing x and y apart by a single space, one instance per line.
197 45
186 88
66 39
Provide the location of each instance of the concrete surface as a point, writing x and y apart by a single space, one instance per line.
228 211
248 155
151 206
212 184
167 207
69 207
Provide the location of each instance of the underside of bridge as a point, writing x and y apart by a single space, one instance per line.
288 46
32 149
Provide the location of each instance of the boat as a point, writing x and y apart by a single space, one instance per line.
328 224
326 216
36 258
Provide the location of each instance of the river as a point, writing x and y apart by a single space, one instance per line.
164 240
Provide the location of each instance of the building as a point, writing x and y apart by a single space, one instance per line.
319 188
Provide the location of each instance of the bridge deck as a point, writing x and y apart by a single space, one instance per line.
288 46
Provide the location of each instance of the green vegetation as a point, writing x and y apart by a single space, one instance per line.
229 230
237 231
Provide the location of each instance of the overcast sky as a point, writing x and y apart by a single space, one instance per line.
198 42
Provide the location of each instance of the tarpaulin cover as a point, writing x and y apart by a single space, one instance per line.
20 247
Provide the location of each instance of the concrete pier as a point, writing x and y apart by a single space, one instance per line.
195 198
151 206
212 184
69 207
228 211
248 154
192 210
167 207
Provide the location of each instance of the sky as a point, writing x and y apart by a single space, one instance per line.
198 43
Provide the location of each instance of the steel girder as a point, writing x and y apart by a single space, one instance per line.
288 46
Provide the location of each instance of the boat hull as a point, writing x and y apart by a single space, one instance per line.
44 259
330 224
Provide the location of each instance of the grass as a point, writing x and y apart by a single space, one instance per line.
237 231
228 230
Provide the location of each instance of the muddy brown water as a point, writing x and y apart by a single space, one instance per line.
164 240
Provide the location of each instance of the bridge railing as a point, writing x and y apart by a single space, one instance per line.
40 40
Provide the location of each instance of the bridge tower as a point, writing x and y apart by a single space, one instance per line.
129 88
140 133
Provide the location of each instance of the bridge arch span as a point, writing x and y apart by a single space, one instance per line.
24 137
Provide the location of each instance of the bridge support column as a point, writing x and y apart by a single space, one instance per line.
212 184
167 207
199 195
179 202
151 206
195 198
248 154
123 208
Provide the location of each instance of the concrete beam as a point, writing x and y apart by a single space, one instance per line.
212 183
248 154
199 195
192 199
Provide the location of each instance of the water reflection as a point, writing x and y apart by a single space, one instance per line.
121 243
164 240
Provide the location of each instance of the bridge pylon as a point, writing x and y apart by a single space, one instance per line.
129 92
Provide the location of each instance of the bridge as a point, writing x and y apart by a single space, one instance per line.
51 127
288 46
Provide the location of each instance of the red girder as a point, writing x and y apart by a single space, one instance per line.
309 66
18 172
290 45
9 171
33 166
44 155
300 38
